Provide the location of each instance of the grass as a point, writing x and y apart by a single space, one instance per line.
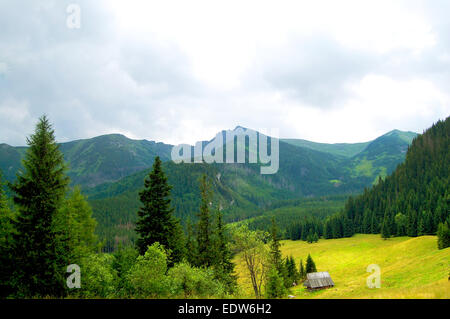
364 168
410 267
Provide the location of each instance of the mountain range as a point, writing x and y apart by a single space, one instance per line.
111 170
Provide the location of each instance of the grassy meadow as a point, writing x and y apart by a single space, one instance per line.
410 267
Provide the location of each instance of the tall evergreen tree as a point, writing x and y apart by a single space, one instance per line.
75 227
191 248
275 251
275 287
223 264
205 250
38 194
302 271
386 227
6 233
276 258
310 265
156 221
292 272
443 234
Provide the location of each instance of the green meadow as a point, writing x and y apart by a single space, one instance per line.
410 267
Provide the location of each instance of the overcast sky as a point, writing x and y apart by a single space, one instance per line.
180 71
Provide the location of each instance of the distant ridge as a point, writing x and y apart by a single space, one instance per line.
347 149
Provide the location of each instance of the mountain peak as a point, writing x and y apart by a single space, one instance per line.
406 136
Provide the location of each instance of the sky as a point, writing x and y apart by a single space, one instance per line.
181 71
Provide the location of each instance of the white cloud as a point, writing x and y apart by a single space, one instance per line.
179 71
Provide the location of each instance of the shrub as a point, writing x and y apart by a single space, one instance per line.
98 277
189 282
147 277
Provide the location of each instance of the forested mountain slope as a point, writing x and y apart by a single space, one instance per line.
94 161
415 198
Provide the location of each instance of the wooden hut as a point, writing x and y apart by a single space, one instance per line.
318 280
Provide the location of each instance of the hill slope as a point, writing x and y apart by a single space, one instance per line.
416 196
410 267
340 149
380 157
94 161
347 149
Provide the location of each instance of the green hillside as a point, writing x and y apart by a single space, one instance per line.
94 161
410 267
415 198
347 150
380 157
340 149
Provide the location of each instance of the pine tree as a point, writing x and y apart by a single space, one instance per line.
385 228
275 287
302 271
156 221
275 251
315 238
400 221
276 258
75 227
224 267
292 272
310 265
411 227
443 235
38 194
191 248
205 251
326 230
6 232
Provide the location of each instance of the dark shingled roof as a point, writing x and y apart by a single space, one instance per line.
318 280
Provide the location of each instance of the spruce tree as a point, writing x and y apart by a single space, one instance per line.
156 221
385 227
191 248
275 252
275 287
6 232
302 271
75 228
292 272
38 194
310 265
443 235
315 238
224 267
205 250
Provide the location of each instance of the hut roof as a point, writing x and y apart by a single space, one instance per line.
318 280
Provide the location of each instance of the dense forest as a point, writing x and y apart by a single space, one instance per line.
413 201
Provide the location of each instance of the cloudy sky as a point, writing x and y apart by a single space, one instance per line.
180 71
